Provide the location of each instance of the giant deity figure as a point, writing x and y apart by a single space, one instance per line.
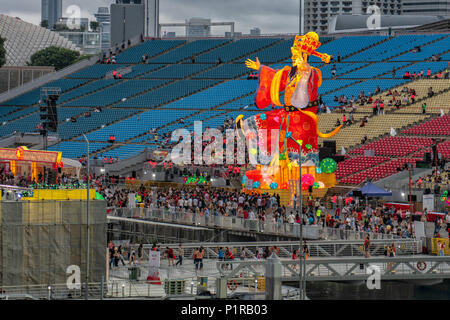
297 119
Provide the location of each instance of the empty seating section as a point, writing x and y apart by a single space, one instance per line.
275 53
69 130
341 68
67 113
151 48
224 71
33 96
439 127
426 52
216 95
137 125
96 71
6 110
374 70
245 103
140 69
235 50
331 85
353 165
126 151
18 113
26 124
86 89
76 149
378 172
188 50
421 66
392 47
167 93
346 46
442 148
113 94
177 71
394 146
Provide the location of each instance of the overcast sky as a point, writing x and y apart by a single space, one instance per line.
270 16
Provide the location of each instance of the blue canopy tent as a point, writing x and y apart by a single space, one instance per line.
371 190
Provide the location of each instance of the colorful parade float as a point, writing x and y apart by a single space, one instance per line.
295 122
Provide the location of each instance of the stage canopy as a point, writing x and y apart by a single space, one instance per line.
371 190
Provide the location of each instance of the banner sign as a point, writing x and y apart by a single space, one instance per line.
153 266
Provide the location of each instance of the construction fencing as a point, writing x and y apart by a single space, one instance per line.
39 240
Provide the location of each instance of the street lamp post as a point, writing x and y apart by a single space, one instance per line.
302 267
86 289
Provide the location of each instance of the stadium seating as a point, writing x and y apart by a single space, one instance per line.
353 165
235 50
216 95
151 48
374 70
113 94
378 172
438 127
394 46
86 89
224 71
426 52
96 71
169 87
33 96
168 93
140 69
177 71
394 146
187 51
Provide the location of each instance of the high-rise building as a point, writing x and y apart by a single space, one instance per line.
103 18
152 18
198 27
127 21
129 1
255 31
318 13
421 7
51 11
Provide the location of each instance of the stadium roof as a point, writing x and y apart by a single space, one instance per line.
358 23
23 39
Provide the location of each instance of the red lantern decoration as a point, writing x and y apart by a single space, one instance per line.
254 175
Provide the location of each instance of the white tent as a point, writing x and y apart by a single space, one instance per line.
70 163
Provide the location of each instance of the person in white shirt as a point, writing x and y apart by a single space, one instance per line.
291 218
251 214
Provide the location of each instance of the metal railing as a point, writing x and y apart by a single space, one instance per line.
312 232
50 292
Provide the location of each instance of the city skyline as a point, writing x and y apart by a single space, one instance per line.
269 17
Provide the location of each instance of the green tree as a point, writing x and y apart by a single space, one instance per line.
54 56
94 25
2 52
44 23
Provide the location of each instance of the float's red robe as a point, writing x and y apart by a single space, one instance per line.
287 119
